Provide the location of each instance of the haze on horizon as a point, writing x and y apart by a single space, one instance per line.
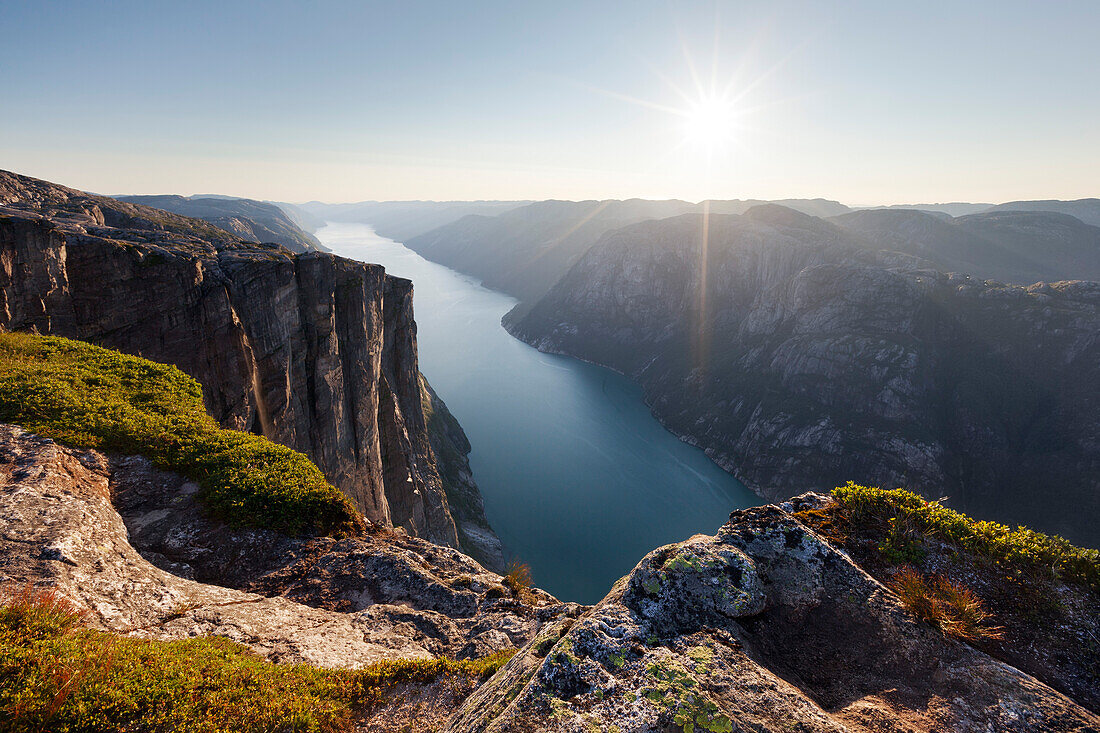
862 102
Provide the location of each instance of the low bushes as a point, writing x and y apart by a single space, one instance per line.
90 397
902 517
57 675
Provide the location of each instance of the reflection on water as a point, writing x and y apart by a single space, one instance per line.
580 481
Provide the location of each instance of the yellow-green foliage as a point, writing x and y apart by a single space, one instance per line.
905 512
91 397
59 676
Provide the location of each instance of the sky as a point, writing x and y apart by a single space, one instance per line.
863 102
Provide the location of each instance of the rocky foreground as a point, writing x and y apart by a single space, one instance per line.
130 544
765 626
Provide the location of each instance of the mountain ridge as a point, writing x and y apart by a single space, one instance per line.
807 356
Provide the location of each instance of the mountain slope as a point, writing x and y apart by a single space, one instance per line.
798 357
402 220
1087 210
315 352
523 252
252 221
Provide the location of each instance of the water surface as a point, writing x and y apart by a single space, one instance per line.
579 480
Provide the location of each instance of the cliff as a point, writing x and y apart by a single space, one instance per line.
314 351
798 357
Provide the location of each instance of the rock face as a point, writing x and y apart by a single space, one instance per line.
127 543
314 351
798 357
763 627
248 220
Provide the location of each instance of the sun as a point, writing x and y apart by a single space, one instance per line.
710 123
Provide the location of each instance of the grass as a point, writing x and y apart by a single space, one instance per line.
903 518
950 607
90 397
517 579
58 675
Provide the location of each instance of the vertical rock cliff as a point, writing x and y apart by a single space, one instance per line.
314 351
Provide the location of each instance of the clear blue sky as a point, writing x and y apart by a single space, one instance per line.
865 102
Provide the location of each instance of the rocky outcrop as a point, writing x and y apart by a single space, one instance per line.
314 351
765 626
798 357
129 545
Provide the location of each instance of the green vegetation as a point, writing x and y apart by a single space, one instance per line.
903 518
59 676
91 397
952 608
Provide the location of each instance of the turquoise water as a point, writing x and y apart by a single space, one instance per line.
580 481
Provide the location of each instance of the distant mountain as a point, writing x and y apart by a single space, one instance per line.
402 220
523 252
251 221
1087 210
1014 247
814 207
955 208
302 218
798 355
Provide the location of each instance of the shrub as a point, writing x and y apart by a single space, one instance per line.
90 397
952 608
906 515
59 676
517 579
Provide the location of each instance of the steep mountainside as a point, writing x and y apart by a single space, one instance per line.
525 251
797 357
314 351
1016 247
402 220
251 221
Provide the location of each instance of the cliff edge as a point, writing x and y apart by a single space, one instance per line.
313 351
